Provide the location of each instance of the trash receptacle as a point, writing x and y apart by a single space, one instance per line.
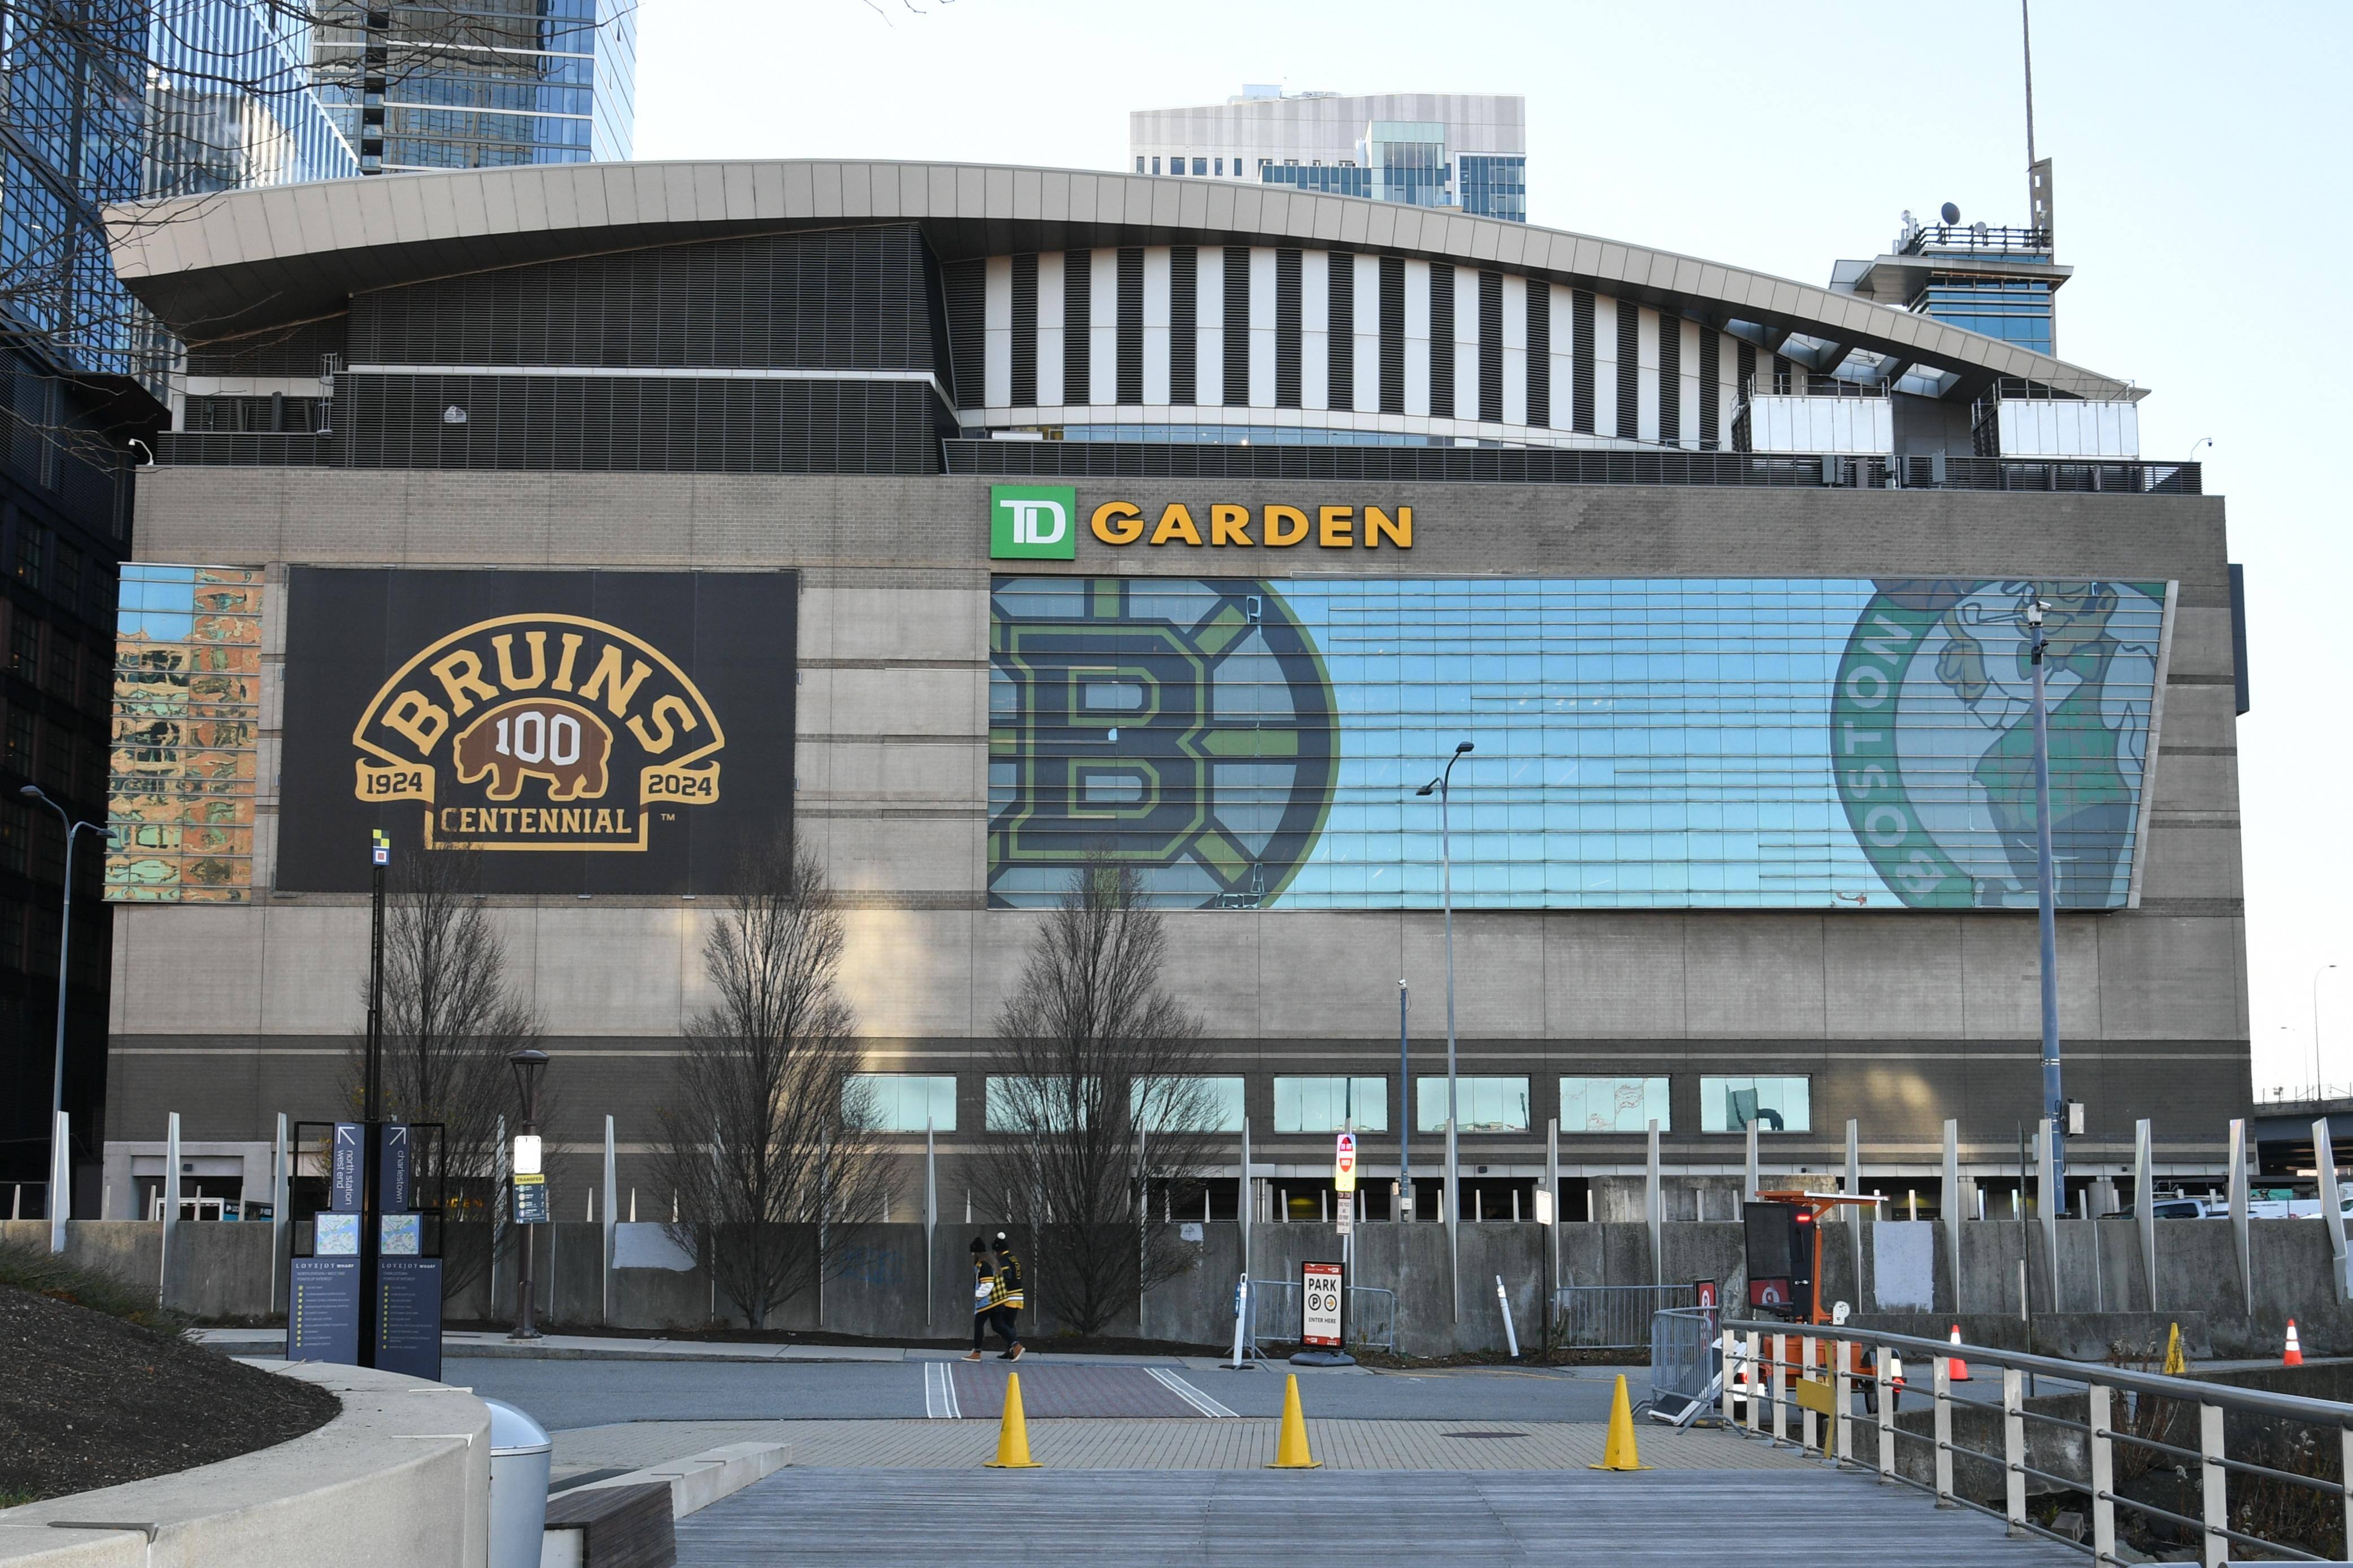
519 1460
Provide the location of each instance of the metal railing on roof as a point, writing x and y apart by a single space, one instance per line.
1976 237
1833 1364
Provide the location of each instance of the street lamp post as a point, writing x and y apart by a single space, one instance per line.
528 1065
2054 1104
60 1174
1442 785
2318 1089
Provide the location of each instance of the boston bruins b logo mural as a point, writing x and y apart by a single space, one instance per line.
539 731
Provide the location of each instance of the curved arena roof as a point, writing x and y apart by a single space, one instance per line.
219 265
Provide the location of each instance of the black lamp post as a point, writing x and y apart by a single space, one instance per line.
528 1065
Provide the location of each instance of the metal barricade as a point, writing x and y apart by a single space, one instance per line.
1372 1318
1613 1317
1686 1374
1274 1316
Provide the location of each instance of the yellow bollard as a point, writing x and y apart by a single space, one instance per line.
1291 1449
1618 1453
1013 1433
2175 1363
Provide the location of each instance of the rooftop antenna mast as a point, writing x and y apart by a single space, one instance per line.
2026 39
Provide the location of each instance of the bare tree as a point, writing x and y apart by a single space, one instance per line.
1098 1100
767 1141
450 1019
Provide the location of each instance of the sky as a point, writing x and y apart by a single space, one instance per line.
2199 194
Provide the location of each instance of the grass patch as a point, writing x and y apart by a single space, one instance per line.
29 1266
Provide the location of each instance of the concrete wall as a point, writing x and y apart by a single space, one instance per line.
879 1291
231 1014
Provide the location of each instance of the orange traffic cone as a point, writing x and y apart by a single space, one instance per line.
2294 1356
1960 1371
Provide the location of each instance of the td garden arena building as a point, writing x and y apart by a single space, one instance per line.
969 519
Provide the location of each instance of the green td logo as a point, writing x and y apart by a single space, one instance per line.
1032 522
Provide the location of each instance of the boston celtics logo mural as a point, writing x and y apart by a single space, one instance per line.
1932 739
1184 726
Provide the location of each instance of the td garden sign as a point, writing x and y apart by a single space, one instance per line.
573 727
1041 522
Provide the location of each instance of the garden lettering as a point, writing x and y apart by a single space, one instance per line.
1275 527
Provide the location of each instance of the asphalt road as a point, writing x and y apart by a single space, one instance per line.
568 1394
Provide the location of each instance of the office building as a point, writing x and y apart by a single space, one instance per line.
230 103
968 521
483 86
1464 150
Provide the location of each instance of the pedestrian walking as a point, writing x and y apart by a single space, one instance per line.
985 1292
1008 1297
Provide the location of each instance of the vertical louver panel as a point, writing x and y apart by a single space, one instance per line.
1238 325
1340 377
1671 380
1130 383
967 284
1630 370
1184 315
1078 303
1491 347
1442 340
1580 371
1711 401
1539 353
1025 331
1392 334
1286 328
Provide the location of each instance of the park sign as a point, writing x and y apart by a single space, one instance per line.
1320 1288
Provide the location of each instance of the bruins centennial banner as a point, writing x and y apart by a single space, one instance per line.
588 731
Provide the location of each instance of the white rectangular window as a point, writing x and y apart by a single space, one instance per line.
1482 1105
1327 1104
900 1101
1032 1104
1191 1104
1775 1104
1613 1104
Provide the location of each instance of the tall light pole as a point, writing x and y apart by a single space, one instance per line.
2055 1102
2317 1086
1442 785
60 1173
528 1063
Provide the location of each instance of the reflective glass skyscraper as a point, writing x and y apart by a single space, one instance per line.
481 84
230 102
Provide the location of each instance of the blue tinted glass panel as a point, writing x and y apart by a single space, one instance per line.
1678 743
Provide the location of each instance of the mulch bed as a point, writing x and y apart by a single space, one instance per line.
89 1401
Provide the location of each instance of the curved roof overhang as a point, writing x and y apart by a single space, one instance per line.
224 265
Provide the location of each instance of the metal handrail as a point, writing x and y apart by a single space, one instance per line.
2257 1401
2213 1400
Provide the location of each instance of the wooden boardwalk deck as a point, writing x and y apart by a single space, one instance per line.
921 1518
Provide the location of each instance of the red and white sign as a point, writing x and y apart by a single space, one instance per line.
1343 1164
1320 1285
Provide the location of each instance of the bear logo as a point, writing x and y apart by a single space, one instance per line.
539 737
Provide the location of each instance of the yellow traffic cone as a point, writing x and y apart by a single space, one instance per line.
1013 1433
1291 1449
2175 1363
1618 1454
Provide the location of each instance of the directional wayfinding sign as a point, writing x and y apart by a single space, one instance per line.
530 1198
346 1170
1320 1286
396 1163
1343 1165
322 1314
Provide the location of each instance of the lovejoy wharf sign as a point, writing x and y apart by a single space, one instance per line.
582 731
1041 522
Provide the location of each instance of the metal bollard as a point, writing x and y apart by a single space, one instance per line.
1780 1390
1882 1370
1755 1386
1723 1388
1843 1396
1808 1426
2216 1510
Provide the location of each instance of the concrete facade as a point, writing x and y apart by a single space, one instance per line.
231 1015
